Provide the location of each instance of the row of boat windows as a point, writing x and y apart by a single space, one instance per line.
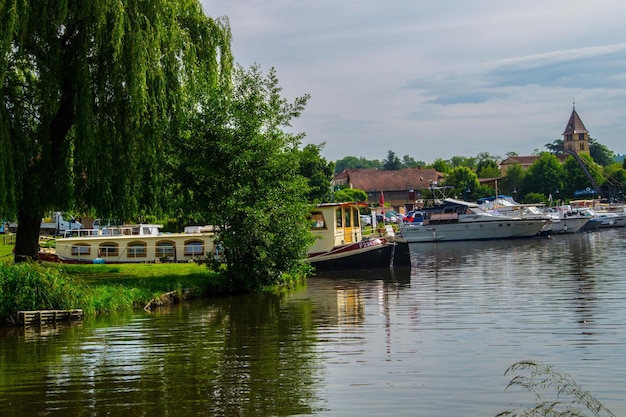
342 216
140 249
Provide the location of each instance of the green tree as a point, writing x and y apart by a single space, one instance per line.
352 162
318 172
392 163
514 180
441 165
464 180
242 171
463 161
488 169
545 175
410 162
601 154
556 146
350 194
91 91
575 177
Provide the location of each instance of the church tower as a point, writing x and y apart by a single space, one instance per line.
576 136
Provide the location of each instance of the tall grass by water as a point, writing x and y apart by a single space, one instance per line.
96 289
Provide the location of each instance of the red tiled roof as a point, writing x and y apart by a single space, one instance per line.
375 180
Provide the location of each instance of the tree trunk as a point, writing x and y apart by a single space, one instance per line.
27 240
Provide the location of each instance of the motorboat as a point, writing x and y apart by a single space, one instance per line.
340 243
560 219
601 215
454 220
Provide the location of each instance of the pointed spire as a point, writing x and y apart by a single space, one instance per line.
575 124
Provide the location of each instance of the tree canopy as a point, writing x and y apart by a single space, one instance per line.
91 93
239 170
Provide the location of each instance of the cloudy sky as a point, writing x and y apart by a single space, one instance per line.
439 79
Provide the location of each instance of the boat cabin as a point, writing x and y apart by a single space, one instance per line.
335 224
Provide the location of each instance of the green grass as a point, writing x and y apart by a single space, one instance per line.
97 289
6 248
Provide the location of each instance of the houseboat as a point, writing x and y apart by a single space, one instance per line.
141 243
340 243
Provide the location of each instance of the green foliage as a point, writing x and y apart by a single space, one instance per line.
463 161
514 180
352 162
392 162
97 289
441 165
91 93
534 198
488 169
575 178
545 175
567 398
410 162
350 194
600 153
462 179
240 171
33 287
318 172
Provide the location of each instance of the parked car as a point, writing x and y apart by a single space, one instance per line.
414 216
366 220
389 217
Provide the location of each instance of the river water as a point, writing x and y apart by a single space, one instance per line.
431 341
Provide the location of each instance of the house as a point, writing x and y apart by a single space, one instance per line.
401 188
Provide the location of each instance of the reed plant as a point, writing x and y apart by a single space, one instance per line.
556 394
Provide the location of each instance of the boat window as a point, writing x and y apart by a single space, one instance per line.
356 215
165 248
339 217
81 249
348 217
194 248
137 250
109 249
317 221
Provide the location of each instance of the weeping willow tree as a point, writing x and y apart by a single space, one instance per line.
92 90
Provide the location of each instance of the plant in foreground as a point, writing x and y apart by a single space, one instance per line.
567 395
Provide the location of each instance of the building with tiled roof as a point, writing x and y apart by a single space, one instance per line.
400 187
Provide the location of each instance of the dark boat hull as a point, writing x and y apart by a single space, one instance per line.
377 253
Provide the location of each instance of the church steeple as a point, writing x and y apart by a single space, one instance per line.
576 136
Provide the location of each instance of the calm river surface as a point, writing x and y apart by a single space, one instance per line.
432 341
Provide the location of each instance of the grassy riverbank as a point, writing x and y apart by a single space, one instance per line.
96 289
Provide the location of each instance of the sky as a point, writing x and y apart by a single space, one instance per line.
439 79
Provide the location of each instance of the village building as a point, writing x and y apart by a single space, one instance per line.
402 189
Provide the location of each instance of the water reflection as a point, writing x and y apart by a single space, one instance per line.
235 356
435 338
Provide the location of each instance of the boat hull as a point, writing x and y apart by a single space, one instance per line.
374 253
505 229
566 225
606 220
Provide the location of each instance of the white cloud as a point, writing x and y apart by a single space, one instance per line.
439 79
